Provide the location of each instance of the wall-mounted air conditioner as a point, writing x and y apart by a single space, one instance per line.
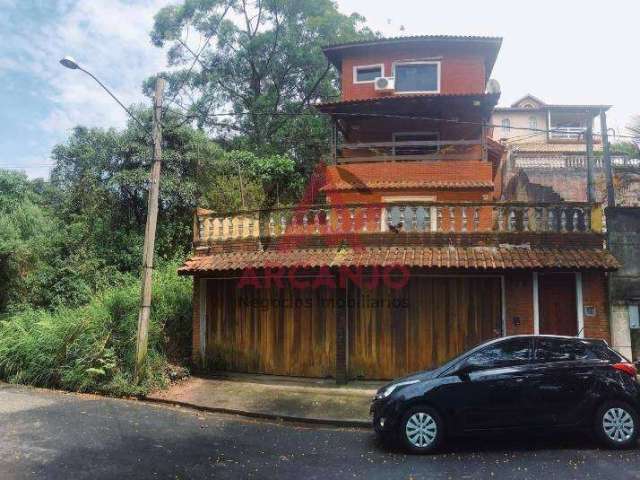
385 84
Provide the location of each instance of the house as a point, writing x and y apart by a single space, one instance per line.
546 159
410 256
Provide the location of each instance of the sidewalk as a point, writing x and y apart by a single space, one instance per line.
269 396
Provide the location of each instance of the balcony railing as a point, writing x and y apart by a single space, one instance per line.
410 150
566 133
523 160
411 217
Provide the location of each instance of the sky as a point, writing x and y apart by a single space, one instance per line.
562 51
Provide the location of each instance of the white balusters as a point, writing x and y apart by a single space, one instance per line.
460 218
476 218
452 219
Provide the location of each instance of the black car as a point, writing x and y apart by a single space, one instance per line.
519 382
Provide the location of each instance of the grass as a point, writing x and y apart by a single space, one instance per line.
92 348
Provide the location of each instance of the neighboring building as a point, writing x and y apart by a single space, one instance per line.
623 240
550 164
558 124
411 259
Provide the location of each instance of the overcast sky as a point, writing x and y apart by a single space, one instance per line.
562 51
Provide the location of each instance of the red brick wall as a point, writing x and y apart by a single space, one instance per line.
460 72
594 292
519 300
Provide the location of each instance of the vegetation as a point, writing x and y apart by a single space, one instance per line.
92 348
239 132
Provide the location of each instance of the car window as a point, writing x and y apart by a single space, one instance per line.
559 350
511 352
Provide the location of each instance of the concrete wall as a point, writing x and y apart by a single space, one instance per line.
623 238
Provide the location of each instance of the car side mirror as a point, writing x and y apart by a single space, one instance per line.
465 369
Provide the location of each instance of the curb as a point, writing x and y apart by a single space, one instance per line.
265 416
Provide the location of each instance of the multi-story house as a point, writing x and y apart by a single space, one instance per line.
546 149
410 257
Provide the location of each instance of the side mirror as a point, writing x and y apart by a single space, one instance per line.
465 369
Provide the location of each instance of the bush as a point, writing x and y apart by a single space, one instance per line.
92 348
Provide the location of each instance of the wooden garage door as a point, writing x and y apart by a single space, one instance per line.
276 331
396 332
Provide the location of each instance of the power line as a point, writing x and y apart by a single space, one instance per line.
384 115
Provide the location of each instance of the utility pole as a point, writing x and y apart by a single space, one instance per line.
591 189
606 160
142 337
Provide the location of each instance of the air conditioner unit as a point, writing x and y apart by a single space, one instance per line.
385 84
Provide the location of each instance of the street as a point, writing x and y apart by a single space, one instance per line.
54 435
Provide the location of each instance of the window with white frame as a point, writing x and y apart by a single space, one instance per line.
367 73
506 125
533 122
417 77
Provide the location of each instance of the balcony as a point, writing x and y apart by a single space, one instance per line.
417 150
458 218
575 134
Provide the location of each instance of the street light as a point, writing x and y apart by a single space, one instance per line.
152 212
70 63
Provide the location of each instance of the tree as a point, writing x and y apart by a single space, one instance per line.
260 60
101 177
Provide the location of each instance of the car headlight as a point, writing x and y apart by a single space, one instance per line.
393 387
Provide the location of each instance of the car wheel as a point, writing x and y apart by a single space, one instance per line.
421 430
617 425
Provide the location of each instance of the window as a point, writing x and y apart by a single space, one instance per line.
367 73
558 350
634 317
510 352
409 137
417 77
533 122
506 125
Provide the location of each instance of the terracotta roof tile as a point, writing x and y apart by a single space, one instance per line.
404 175
491 98
483 258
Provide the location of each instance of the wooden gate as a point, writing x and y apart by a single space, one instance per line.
396 332
278 331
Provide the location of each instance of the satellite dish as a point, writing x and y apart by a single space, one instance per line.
493 86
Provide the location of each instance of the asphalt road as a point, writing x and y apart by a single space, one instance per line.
54 435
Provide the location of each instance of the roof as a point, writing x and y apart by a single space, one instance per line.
437 105
554 147
477 258
550 106
335 52
405 175
528 96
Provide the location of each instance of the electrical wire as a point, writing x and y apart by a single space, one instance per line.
388 116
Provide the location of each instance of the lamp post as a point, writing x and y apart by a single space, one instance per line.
142 336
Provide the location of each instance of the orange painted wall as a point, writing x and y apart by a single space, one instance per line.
461 72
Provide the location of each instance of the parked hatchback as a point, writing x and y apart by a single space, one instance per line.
514 383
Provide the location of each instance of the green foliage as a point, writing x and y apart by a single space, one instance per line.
625 148
92 348
70 249
264 60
